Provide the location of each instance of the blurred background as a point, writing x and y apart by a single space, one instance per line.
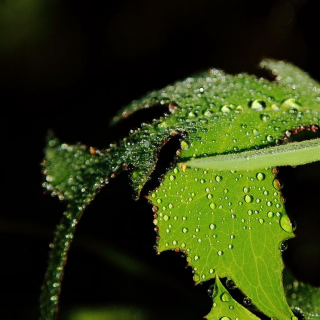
69 66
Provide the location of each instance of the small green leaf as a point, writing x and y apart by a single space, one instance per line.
75 174
224 304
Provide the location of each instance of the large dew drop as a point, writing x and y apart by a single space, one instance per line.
285 223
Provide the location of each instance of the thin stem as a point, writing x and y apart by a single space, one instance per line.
292 154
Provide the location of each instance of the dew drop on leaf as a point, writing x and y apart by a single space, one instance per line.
225 297
230 284
246 301
286 224
270 214
261 176
265 117
269 138
290 104
258 105
277 184
248 198
283 246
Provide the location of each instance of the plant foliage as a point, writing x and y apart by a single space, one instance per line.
229 221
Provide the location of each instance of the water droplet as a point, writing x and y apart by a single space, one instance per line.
184 230
283 246
230 246
261 220
196 258
218 178
196 278
232 236
211 271
246 301
261 176
212 205
250 212
291 104
270 214
269 138
245 190
208 114
172 177
166 218
265 117
277 184
209 196
230 284
212 226
248 198
220 253
225 318
225 297
258 105
227 108
285 223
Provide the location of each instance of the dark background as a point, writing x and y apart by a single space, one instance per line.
70 65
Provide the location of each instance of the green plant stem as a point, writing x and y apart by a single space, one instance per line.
292 154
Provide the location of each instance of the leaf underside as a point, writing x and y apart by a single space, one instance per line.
214 114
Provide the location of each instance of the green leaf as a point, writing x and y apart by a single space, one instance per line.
223 303
303 298
227 223
75 174
215 115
